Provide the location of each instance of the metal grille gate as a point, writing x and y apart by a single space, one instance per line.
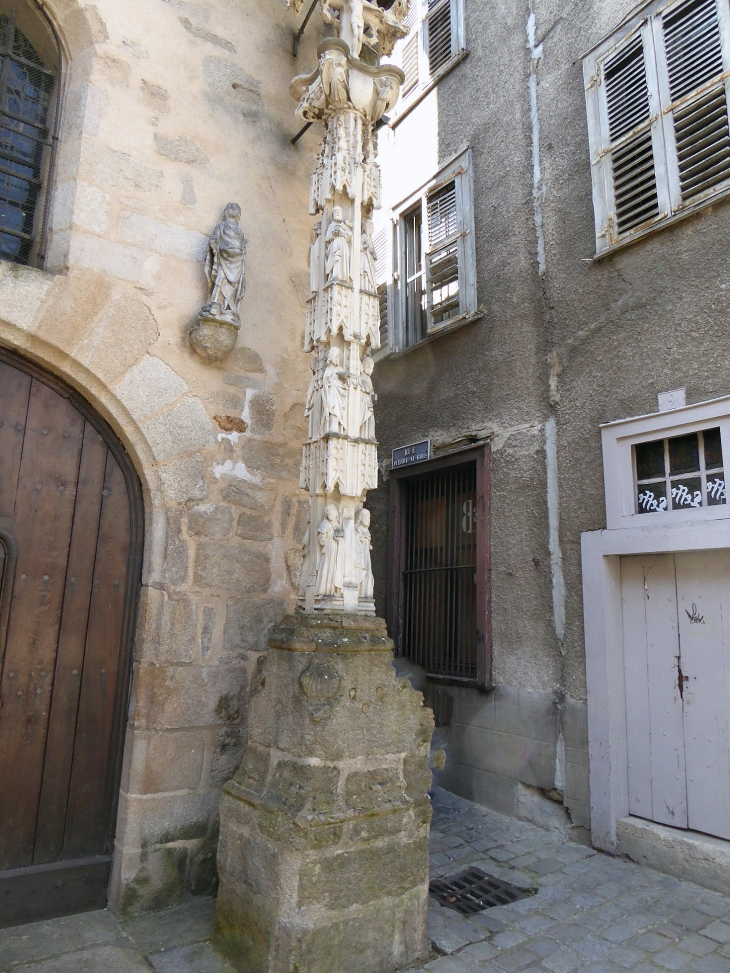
439 576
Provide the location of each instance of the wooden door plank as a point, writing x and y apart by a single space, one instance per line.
87 820
703 594
47 891
14 395
43 517
636 663
71 644
669 787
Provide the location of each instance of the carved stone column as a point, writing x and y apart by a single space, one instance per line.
323 856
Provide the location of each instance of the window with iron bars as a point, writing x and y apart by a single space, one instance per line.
425 260
657 93
434 42
27 115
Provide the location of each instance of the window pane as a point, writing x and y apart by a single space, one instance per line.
650 460
652 498
713 449
686 493
716 491
684 454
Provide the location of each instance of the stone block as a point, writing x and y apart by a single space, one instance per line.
207 35
23 292
538 716
262 411
295 423
166 631
120 337
280 460
106 167
174 697
249 622
248 360
255 527
163 819
228 754
370 790
227 77
575 723
294 560
576 783
61 323
91 208
538 767
206 632
301 520
156 97
174 567
245 494
417 773
364 875
149 386
232 568
197 958
116 259
183 480
151 234
190 923
181 149
210 520
181 429
170 761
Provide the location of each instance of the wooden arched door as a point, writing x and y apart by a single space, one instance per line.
70 560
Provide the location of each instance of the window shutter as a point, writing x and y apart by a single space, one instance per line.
440 34
691 36
410 63
443 260
630 141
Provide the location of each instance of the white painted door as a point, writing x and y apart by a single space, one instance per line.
677 668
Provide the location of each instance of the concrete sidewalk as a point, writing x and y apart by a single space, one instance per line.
592 913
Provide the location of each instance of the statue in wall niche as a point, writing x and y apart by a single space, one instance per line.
315 253
368 259
334 395
330 567
339 236
362 553
333 71
225 268
368 398
214 334
311 403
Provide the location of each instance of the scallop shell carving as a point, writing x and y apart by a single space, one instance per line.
320 682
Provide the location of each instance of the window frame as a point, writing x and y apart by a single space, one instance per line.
458 170
619 439
398 479
647 21
421 14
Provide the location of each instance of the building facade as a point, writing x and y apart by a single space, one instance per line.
551 262
152 522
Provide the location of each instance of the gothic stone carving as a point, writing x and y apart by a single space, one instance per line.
342 327
214 334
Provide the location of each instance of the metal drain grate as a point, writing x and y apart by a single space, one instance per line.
473 891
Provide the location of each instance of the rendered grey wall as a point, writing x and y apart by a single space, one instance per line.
611 334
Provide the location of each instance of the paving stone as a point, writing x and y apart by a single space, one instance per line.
42 940
198 958
509 938
698 945
515 959
190 923
564 961
96 959
719 931
479 952
449 932
692 920
652 942
452 841
449 964
672 959
712 964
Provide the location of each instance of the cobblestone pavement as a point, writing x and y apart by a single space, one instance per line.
592 913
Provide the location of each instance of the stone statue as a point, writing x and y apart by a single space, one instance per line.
334 395
214 334
330 569
362 555
334 79
368 398
224 267
388 93
353 26
309 408
339 236
315 253
313 102
368 259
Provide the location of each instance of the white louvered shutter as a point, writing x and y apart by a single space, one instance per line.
630 159
440 33
444 258
410 63
692 61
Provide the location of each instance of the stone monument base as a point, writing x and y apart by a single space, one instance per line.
323 854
